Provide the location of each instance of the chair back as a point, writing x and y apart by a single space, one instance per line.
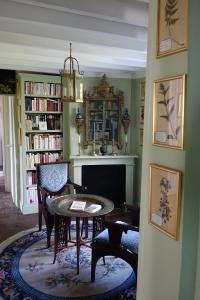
52 176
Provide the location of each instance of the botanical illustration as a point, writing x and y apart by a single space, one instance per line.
168 118
165 210
171 16
169 105
164 199
172 26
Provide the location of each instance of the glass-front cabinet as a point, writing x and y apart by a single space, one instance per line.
103 110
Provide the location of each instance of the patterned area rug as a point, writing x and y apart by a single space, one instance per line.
27 272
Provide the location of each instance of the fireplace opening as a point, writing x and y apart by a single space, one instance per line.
106 180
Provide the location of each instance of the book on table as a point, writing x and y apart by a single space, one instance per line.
78 205
92 208
81 206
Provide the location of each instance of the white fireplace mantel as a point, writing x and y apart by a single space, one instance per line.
127 160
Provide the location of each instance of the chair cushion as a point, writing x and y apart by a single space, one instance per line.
130 240
48 204
53 177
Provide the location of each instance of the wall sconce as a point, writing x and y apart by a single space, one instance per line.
71 80
126 122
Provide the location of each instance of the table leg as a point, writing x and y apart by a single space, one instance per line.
61 233
78 241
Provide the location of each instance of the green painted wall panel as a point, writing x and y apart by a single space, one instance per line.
159 256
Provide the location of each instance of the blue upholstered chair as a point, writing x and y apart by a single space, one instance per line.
52 180
118 239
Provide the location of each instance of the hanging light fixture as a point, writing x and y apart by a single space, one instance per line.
71 80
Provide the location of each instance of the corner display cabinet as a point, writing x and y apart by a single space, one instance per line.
40 126
103 110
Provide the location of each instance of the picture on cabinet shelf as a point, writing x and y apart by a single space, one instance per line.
172 27
142 89
141 132
141 114
168 112
164 200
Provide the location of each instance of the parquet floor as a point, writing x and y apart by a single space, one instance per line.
12 220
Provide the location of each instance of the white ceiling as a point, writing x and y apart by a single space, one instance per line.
108 36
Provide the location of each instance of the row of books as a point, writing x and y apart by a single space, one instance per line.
31 196
42 104
44 141
42 88
43 122
31 178
36 158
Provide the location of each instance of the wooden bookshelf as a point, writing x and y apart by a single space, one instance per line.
41 125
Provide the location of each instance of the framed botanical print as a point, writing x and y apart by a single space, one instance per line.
168 112
172 27
164 199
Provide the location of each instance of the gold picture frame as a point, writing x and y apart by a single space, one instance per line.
172 27
168 112
164 200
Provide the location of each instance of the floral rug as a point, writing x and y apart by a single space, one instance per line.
27 272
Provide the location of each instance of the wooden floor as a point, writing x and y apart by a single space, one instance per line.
11 219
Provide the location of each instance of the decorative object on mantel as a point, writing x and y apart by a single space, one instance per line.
126 122
94 140
104 108
71 80
103 148
113 153
79 123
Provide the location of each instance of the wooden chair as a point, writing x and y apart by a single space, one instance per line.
118 239
52 181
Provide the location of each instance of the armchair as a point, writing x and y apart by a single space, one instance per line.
52 181
118 239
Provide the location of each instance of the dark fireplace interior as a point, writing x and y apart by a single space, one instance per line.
106 180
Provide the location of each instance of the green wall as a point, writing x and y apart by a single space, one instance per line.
167 268
191 229
137 103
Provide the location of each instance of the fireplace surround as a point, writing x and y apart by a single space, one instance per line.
119 168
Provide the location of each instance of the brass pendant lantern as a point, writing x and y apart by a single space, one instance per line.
71 80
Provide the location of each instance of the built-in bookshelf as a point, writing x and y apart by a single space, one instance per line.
41 127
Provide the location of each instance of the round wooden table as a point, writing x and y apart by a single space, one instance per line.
63 215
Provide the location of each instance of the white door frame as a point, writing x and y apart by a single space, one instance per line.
9 146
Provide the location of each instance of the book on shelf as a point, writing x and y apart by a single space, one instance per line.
92 208
78 205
